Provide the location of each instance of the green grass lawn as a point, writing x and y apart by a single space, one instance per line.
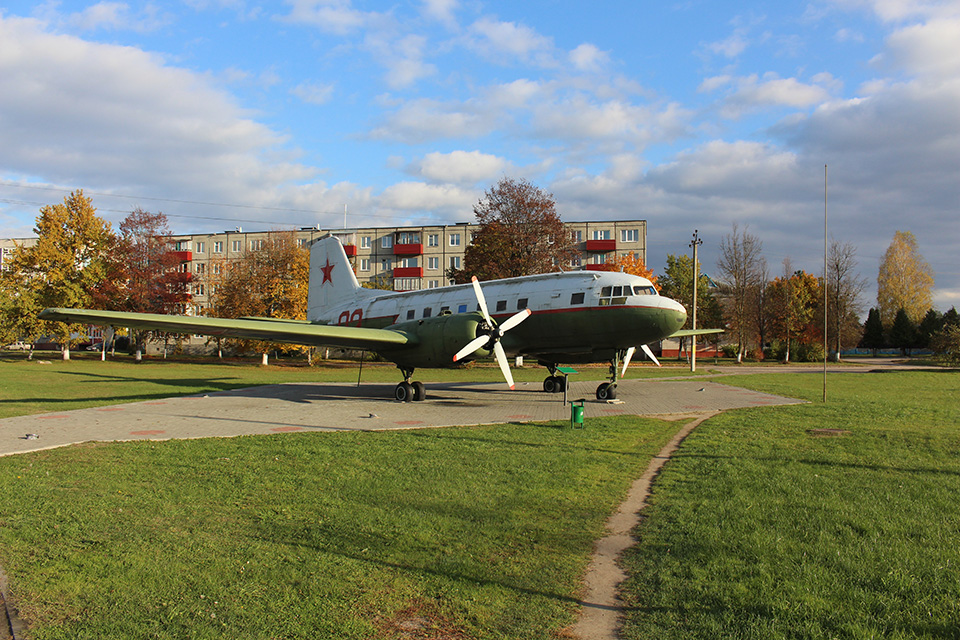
48 384
758 529
454 533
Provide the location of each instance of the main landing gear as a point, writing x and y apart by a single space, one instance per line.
608 390
553 383
407 391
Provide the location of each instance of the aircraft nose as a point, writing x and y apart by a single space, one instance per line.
674 313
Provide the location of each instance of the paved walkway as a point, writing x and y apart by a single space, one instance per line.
334 407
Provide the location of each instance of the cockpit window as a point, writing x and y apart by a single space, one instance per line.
644 291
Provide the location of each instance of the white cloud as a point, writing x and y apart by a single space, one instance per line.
753 92
422 197
442 11
732 46
900 10
931 49
330 16
313 92
510 42
588 57
461 167
105 116
426 119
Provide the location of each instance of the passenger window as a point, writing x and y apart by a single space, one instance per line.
410 314
462 308
501 305
427 311
576 298
521 304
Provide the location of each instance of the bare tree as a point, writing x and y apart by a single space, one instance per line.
845 289
740 270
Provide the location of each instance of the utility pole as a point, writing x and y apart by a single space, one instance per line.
696 242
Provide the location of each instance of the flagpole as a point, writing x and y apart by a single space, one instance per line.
825 283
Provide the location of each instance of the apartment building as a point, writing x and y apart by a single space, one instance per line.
401 258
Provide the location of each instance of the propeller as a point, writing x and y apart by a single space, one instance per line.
495 333
629 355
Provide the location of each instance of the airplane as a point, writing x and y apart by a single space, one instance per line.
567 317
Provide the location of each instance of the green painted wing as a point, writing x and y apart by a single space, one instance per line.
269 330
683 333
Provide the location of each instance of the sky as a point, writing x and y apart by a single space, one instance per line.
693 115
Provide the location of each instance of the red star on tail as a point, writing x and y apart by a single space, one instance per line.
326 272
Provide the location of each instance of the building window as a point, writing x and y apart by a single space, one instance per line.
433 284
408 262
600 258
406 284
433 240
629 235
433 263
386 264
182 245
364 264
218 247
576 236
302 242
577 261
408 237
198 289
364 242
386 242
454 239
200 268
217 268
201 247
256 245
236 246
601 234
454 262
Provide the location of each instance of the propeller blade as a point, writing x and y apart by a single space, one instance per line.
504 365
514 320
650 355
626 360
472 346
481 300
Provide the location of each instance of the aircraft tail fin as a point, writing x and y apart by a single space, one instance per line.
332 282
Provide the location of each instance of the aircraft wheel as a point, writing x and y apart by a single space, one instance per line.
561 383
419 392
550 384
403 392
606 391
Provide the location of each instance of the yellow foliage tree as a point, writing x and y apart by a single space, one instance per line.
270 282
905 280
633 264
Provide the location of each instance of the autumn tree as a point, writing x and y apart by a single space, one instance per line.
270 282
793 301
740 272
68 262
520 233
844 296
905 280
144 274
633 264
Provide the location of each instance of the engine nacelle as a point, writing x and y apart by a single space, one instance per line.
437 339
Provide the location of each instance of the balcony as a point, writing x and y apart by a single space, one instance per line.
596 267
408 249
601 246
350 250
183 256
408 272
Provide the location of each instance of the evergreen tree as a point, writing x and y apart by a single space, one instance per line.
903 332
931 324
951 318
873 332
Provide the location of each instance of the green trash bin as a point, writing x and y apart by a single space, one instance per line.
576 414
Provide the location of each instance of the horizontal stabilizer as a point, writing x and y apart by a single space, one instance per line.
685 333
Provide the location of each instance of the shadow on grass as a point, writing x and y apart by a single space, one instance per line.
826 463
